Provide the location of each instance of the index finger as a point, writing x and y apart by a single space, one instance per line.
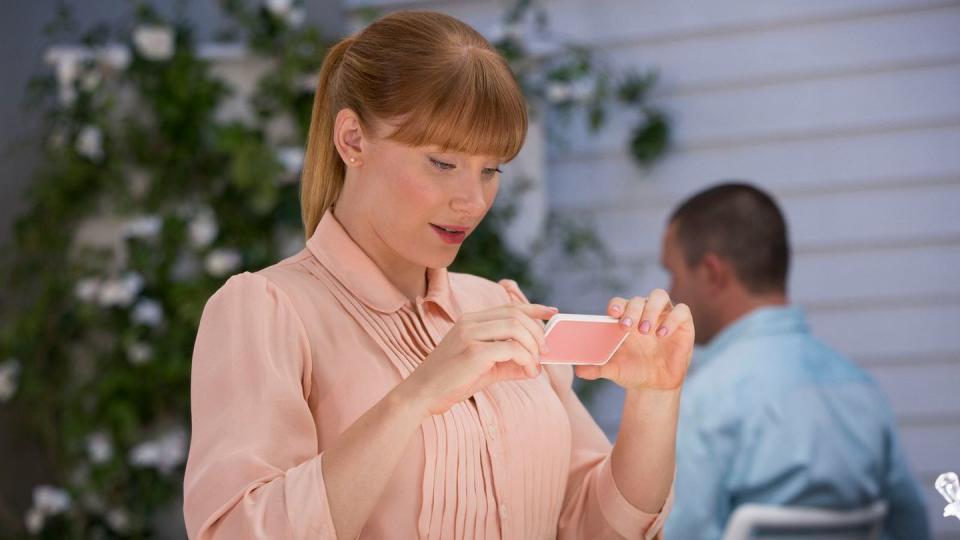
527 315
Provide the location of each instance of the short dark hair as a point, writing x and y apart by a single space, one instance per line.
742 224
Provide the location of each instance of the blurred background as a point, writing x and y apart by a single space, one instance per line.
152 149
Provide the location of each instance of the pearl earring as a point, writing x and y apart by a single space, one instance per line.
353 160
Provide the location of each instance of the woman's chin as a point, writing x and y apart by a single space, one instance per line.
443 259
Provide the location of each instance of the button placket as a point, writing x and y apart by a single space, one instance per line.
490 425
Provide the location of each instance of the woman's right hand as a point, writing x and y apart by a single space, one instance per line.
483 347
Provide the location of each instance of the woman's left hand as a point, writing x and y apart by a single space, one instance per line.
657 350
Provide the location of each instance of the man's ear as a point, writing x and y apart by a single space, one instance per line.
719 271
348 137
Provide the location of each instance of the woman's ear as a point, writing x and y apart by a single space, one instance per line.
348 137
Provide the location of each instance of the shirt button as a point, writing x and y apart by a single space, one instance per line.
503 511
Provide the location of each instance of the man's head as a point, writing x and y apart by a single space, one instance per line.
726 251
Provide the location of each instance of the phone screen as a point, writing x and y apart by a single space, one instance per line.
582 341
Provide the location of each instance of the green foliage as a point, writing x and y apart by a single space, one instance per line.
567 78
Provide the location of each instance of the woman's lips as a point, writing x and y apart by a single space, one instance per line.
450 236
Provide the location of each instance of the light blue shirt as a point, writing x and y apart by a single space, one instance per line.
770 415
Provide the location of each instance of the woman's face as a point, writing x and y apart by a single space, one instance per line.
421 203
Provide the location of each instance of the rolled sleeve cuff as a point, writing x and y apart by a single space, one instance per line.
308 509
627 520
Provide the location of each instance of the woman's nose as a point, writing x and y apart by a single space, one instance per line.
470 199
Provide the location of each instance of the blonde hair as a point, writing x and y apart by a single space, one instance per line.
435 77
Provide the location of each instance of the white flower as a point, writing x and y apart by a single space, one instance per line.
296 16
558 92
47 501
147 312
118 519
278 7
68 68
146 226
583 89
578 90
90 80
291 157
164 453
9 372
115 56
87 289
203 229
99 447
90 143
50 500
139 353
222 261
121 291
34 520
154 42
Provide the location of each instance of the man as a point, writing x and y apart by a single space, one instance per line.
769 414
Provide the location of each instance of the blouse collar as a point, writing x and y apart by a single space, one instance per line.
346 260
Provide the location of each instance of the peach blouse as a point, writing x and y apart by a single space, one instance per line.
288 357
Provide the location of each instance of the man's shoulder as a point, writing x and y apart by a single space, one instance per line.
770 368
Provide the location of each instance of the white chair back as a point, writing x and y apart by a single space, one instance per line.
756 521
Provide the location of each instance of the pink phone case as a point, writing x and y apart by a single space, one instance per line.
582 339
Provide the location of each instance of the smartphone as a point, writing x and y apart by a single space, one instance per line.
582 339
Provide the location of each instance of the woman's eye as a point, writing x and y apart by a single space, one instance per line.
442 165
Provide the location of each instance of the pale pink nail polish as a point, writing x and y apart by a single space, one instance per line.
662 331
627 322
645 327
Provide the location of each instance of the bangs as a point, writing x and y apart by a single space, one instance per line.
478 109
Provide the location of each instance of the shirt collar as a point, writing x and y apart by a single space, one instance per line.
346 260
763 321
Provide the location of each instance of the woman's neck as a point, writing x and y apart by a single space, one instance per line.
410 279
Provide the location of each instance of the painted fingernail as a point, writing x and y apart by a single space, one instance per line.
615 309
627 321
662 331
645 327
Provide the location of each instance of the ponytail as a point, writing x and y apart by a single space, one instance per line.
323 171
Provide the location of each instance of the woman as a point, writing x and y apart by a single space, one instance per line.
358 387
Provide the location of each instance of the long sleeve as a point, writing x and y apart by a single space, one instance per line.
593 505
704 454
906 514
253 470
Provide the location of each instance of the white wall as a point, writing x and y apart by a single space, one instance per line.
849 112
